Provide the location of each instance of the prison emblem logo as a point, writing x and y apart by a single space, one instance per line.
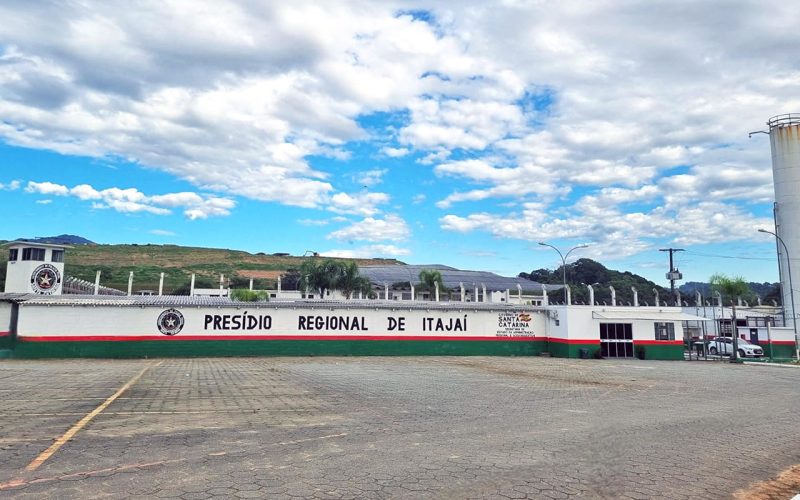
170 322
45 279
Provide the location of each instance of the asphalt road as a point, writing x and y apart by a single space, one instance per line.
393 428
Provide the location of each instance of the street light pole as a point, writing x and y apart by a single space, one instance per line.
791 288
563 263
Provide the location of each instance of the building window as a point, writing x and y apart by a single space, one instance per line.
33 254
616 331
13 254
665 331
57 256
760 321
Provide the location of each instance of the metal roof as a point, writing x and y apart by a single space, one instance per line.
224 302
34 244
381 275
648 313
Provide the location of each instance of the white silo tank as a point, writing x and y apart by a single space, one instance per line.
784 137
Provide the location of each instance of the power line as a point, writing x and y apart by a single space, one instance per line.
729 256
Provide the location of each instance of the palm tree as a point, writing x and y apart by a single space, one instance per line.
349 280
316 274
429 278
330 274
730 289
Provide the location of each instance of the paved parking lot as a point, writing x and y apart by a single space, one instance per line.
393 428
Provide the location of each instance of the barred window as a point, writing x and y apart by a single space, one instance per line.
665 331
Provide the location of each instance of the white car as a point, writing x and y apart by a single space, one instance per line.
724 346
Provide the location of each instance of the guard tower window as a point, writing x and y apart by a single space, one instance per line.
33 254
13 254
57 256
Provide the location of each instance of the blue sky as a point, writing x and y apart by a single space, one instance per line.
454 133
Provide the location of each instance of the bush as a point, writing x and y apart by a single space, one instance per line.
244 295
598 354
640 352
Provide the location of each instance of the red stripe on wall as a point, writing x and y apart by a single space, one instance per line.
119 338
658 342
776 342
5 334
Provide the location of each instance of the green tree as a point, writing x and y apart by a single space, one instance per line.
290 280
330 274
730 288
428 279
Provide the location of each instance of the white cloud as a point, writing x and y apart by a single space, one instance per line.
366 252
616 234
161 232
358 204
85 192
131 200
371 177
11 186
524 104
313 222
460 123
395 152
46 201
46 188
391 228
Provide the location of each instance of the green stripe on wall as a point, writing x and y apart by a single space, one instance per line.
651 351
664 352
563 350
779 350
144 348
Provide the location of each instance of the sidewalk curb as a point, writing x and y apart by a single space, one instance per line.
776 365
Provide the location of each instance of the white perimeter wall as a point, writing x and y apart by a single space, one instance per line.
5 317
101 321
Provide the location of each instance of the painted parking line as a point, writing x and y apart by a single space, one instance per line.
38 461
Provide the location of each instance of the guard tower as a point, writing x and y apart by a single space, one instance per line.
35 268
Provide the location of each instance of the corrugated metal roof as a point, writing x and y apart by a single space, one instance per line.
185 301
648 313
452 278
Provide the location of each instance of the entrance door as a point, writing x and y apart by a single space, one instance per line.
754 335
616 340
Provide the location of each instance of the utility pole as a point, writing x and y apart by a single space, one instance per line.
673 275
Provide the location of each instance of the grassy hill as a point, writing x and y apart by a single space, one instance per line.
178 263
